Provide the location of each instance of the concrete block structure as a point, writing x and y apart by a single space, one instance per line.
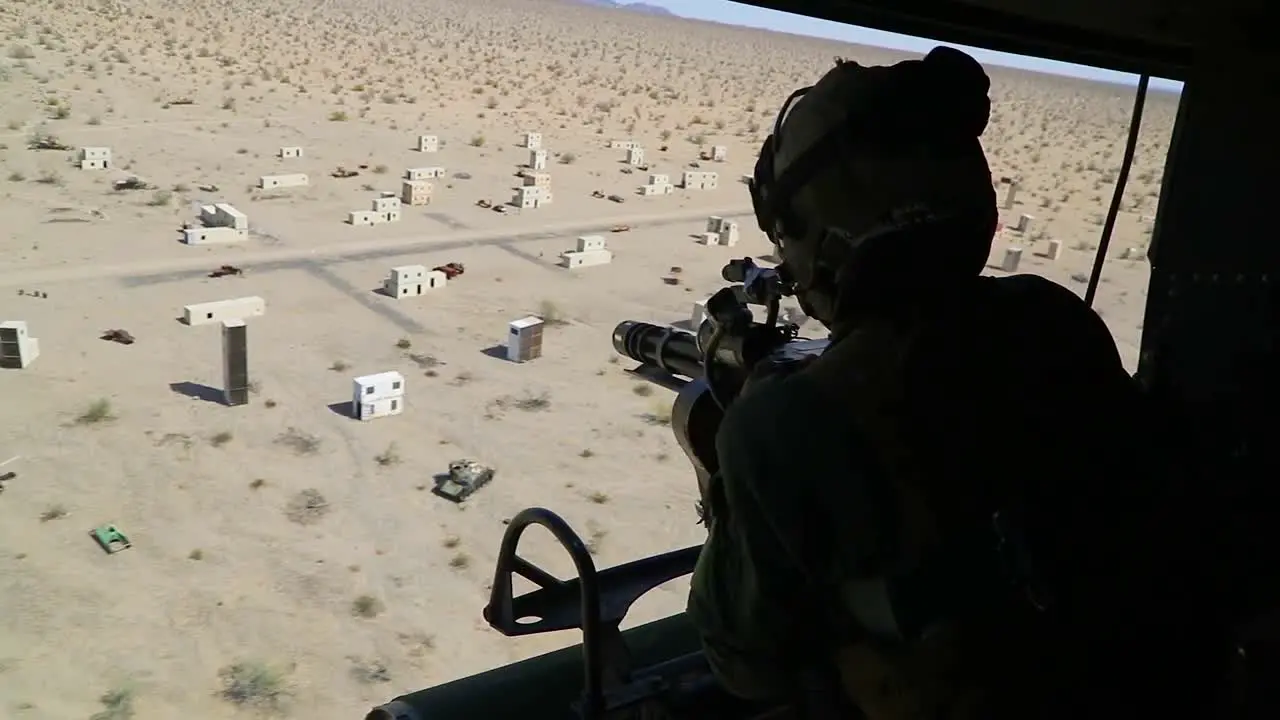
531 196
623 144
590 251
377 395
235 362
719 153
635 156
720 232
1054 250
289 152
700 180
218 311
659 184
424 173
271 182
412 281
1024 223
524 339
1012 257
533 140
536 179
428 143
17 348
416 192
95 158
220 223
1007 193
538 159
385 209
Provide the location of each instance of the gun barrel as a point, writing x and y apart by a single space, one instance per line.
675 351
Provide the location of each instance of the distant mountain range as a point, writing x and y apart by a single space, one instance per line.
632 6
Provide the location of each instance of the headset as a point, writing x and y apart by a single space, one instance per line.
900 108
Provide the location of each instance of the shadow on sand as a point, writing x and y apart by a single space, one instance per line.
198 391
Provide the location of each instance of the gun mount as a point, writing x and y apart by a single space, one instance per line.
632 674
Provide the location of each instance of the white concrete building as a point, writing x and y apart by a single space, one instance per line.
524 339
533 140
385 209
590 251
17 348
377 395
719 153
536 179
635 156
531 196
416 192
95 158
219 223
270 182
538 159
424 173
700 180
218 311
412 281
428 143
290 152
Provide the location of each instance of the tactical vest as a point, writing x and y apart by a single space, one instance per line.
909 668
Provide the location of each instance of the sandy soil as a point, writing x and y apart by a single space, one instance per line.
381 593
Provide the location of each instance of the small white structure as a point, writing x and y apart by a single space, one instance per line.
269 182
412 281
385 209
720 232
623 144
1012 257
289 152
538 159
700 180
635 156
531 196
1054 251
533 140
220 223
524 339
719 153
1024 223
590 251
17 348
377 395
428 143
659 184
728 235
95 158
651 189
1010 193
415 192
217 311
536 179
424 173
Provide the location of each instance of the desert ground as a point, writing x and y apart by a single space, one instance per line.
374 587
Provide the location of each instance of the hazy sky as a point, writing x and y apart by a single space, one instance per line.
738 14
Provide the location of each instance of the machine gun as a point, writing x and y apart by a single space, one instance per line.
656 670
